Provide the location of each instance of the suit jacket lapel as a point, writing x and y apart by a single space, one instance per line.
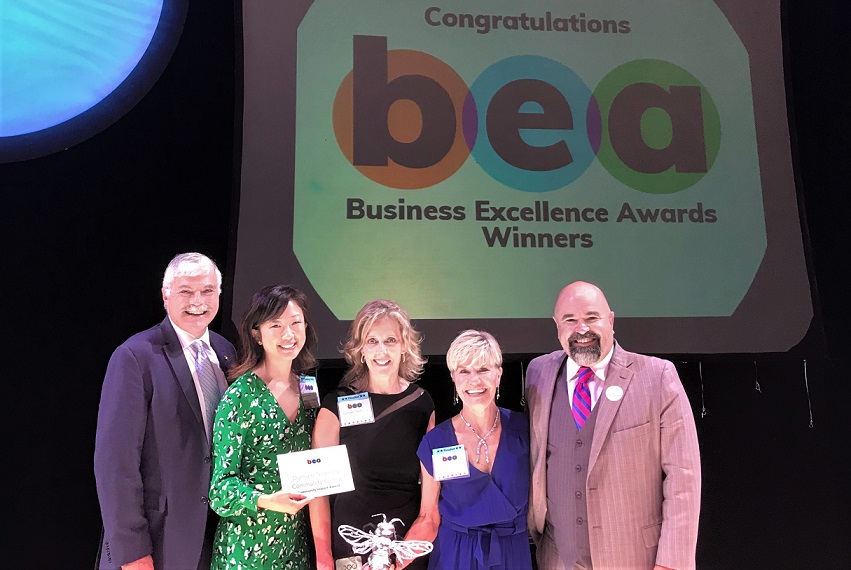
222 354
618 374
174 354
549 376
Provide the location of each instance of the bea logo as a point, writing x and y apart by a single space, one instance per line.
405 119
450 457
357 405
313 461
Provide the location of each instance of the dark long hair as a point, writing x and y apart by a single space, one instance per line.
265 305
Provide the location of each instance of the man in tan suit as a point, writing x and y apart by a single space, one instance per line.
615 459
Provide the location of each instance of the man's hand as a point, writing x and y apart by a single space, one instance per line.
146 563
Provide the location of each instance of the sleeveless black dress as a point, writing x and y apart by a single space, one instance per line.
385 467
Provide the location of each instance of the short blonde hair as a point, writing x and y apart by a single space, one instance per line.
473 347
412 360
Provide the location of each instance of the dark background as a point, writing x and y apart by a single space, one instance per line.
87 233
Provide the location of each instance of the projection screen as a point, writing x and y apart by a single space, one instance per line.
469 159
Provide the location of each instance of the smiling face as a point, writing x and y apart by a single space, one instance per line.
476 383
192 301
283 337
382 349
585 323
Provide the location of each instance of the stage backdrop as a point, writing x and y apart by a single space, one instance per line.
469 158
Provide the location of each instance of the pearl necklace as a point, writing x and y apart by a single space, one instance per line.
482 440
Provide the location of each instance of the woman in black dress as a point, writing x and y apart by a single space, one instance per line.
383 351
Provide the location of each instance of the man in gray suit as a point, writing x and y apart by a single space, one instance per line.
614 454
152 447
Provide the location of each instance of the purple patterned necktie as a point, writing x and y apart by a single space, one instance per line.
581 403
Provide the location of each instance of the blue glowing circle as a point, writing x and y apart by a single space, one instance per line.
61 61
575 92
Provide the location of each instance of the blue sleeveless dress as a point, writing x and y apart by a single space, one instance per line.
483 516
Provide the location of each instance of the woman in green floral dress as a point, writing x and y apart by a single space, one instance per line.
260 416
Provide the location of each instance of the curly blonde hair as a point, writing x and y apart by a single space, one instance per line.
356 378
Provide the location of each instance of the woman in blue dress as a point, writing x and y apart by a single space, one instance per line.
479 518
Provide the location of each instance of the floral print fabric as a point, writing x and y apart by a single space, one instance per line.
250 431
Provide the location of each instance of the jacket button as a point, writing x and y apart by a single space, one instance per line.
205 500
578 443
579 520
207 459
578 468
578 494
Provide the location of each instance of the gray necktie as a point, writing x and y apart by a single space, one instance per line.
208 382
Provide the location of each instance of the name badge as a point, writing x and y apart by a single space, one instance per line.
355 410
309 389
316 472
449 463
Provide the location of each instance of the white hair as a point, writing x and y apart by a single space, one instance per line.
473 347
191 264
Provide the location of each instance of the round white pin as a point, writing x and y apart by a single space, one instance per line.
614 393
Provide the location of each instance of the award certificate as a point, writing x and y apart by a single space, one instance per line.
316 472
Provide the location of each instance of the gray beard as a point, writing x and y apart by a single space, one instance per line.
586 355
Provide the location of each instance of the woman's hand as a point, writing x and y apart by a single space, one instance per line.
283 502
144 563
324 564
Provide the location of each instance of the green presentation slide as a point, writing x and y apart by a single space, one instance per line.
469 159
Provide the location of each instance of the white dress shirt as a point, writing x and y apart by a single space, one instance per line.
595 384
186 340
